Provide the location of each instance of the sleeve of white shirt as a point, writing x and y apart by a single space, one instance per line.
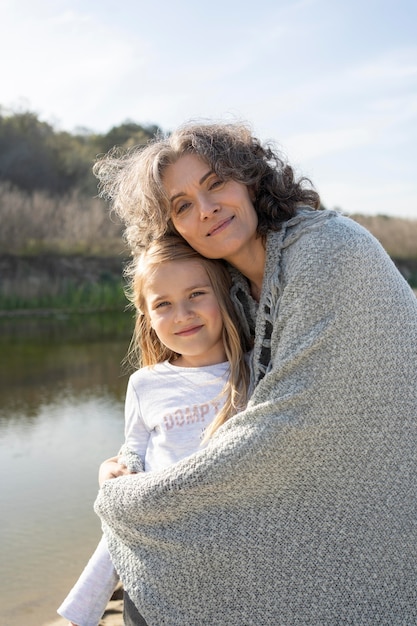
136 431
87 600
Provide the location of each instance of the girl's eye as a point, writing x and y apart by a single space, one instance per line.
162 304
197 293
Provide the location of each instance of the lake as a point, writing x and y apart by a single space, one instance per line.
61 413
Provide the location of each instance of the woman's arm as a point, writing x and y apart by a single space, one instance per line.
295 483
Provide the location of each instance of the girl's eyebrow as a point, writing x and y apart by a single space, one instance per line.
190 288
200 182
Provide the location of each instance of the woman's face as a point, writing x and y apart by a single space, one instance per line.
217 218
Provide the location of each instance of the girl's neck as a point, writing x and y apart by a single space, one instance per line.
183 361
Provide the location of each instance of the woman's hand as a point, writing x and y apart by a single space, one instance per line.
111 468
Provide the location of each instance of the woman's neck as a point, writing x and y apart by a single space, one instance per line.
251 263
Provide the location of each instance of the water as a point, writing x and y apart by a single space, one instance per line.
61 414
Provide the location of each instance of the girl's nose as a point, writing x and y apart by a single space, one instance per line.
183 311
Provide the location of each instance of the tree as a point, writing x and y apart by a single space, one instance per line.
36 157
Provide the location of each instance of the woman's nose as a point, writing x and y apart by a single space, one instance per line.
208 208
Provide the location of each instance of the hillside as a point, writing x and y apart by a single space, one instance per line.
50 280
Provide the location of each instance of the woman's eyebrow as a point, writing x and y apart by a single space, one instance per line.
200 182
204 178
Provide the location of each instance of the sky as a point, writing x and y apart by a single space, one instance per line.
332 82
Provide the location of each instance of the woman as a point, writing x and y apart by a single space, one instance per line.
302 508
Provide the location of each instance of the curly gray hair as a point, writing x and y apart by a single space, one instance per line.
133 180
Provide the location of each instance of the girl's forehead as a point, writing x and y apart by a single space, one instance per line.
176 273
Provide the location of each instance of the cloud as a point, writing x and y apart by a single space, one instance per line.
67 62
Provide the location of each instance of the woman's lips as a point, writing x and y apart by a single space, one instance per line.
220 226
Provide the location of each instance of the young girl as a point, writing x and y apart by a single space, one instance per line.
193 377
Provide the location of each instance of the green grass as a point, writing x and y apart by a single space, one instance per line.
105 295
412 280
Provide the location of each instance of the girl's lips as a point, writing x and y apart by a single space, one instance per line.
220 226
189 331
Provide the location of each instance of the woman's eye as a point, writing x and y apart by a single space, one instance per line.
182 207
215 183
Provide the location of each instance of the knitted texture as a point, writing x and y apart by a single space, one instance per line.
130 459
302 509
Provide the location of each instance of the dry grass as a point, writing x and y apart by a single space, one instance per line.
73 224
77 224
398 236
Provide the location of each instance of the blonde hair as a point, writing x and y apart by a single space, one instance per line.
147 349
133 181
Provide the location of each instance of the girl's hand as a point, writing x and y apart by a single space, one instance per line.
111 468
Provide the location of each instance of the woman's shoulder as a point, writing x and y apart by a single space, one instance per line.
325 229
315 243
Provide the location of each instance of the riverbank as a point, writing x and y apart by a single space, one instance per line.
49 281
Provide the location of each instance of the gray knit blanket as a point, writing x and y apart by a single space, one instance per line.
302 510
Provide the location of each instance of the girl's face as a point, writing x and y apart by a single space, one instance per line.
184 312
217 218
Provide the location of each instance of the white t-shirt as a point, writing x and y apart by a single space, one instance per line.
167 409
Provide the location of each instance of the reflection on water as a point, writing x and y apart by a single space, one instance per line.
61 414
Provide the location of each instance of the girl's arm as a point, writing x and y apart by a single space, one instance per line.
127 462
87 600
